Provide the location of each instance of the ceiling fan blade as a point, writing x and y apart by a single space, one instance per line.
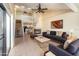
38 11
44 9
25 12
34 9
41 11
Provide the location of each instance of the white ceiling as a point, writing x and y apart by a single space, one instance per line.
50 6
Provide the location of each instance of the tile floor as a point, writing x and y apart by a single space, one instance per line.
26 47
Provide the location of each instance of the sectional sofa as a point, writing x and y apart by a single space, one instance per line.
72 49
53 36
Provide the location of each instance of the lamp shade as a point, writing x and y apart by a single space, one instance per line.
72 30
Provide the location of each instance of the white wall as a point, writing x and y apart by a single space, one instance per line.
38 21
12 30
36 18
11 12
24 18
8 31
41 18
70 21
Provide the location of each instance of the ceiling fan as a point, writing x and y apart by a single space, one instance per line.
40 10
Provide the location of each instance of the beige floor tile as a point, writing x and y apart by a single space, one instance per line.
26 47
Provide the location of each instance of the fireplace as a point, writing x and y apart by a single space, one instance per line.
37 31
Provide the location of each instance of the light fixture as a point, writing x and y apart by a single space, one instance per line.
22 7
29 8
72 31
16 6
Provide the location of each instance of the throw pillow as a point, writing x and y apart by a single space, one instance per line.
59 33
65 35
70 39
48 32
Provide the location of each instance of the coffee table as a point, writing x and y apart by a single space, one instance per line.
49 53
43 42
42 39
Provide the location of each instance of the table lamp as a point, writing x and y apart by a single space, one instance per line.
71 31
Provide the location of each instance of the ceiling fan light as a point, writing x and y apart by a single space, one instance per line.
29 8
22 7
16 6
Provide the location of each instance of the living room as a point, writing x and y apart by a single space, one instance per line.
55 24
39 29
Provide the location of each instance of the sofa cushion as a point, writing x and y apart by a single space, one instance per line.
58 51
52 32
73 48
65 35
48 36
60 39
59 33
44 33
54 37
77 52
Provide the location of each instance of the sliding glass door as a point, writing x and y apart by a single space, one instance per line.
2 30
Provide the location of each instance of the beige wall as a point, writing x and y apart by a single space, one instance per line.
55 13
41 18
70 21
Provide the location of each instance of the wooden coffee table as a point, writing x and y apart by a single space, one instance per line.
43 42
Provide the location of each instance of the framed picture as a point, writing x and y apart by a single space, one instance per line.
58 24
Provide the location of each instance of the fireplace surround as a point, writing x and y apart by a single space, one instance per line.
37 31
